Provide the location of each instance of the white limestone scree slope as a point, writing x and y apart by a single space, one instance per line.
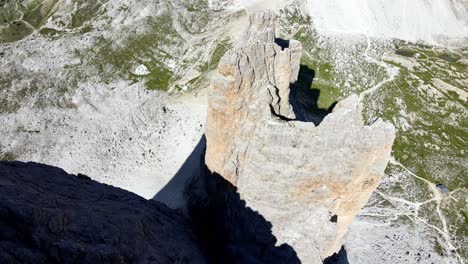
416 20
434 22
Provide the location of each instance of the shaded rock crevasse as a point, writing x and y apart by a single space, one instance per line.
49 216
228 230
309 181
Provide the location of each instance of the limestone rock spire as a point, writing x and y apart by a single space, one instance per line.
309 181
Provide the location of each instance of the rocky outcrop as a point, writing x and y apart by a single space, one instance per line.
252 82
49 216
309 181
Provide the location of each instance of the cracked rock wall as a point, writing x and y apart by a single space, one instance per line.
308 181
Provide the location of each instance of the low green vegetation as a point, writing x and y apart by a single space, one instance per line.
15 30
146 49
38 11
455 211
154 48
197 6
7 156
432 128
218 52
318 62
405 52
87 10
431 120
20 21
49 32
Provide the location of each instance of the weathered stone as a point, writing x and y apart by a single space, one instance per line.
309 181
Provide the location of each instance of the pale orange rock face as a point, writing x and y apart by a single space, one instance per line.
296 174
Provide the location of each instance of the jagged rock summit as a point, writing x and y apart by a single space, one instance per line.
309 181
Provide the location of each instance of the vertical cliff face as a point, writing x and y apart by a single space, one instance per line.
252 83
309 181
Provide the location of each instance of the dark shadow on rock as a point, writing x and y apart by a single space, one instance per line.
50 216
173 193
338 258
304 98
283 43
228 230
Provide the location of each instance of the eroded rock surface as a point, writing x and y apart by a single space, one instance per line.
309 181
49 216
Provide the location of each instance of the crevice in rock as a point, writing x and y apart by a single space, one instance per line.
274 96
304 98
279 116
227 229
283 43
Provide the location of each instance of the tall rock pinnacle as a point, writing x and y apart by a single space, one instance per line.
309 181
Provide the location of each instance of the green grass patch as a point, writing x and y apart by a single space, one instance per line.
431 147
405 52
87 10
7 156
15 31
216 55
50 32
38 12
159 77
8 12
448 57
139 49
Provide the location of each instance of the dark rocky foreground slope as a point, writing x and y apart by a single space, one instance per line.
49 216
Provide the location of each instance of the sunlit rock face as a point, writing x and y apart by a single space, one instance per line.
309 181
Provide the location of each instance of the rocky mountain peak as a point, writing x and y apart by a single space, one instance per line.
309 181
252 82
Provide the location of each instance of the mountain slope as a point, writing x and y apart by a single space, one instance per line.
71 95
438 21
